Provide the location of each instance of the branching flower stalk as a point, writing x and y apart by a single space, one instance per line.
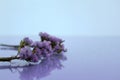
33 51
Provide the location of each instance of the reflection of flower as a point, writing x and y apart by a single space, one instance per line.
40 70
43 69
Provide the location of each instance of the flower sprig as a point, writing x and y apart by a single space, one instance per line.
34 51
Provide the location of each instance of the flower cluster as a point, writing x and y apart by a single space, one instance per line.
35 50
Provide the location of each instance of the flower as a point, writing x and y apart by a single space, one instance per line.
27 41
34 58
34 50
25 52
46 35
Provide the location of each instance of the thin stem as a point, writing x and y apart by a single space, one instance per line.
8 49
8 58
6 45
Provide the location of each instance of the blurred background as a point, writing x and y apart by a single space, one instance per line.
60 17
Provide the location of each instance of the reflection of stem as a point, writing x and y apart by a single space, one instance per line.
8 58
8 49
14 46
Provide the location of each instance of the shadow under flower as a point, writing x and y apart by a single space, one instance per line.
40 70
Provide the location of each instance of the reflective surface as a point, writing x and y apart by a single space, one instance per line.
88 58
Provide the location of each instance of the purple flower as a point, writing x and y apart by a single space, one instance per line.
34 44
46 43
38 52
45 53
55 39
39 44
25 52
30 55
34 51
27 41
47 46
48 37
34 58
44 34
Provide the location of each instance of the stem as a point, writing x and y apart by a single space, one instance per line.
8 58
14 46
8 49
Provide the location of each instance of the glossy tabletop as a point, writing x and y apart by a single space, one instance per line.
88 58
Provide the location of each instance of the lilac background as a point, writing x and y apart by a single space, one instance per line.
88 58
